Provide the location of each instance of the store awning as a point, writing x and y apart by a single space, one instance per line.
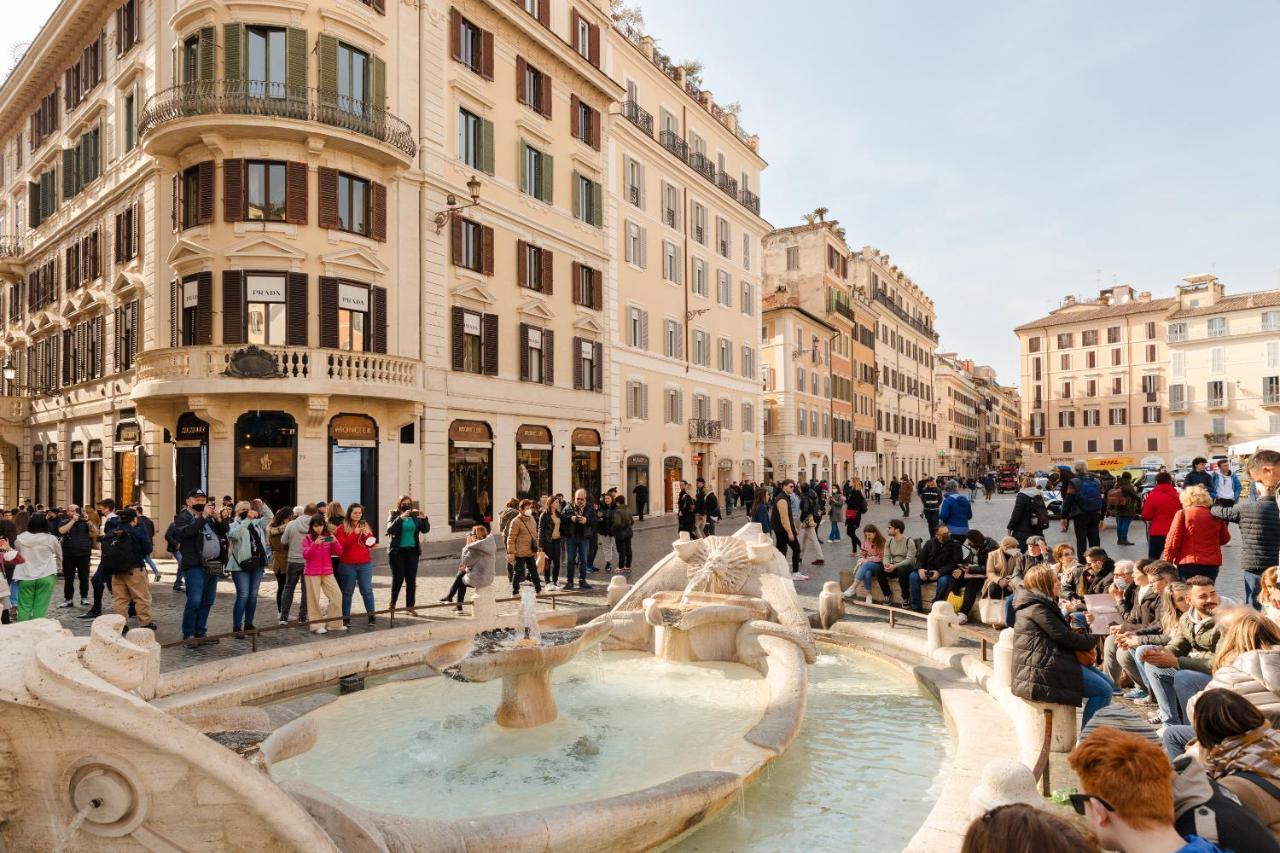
1249 448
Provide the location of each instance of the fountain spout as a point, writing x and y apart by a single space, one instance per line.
529 614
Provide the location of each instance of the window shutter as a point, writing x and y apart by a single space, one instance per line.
574 17
133 324
232 56
548 357
119 30
595 129
595 204
295 196
204 311
522 159
173 313
486 146
486 54
545 106
644 330
233 187
576 354
522 263
544 13
597 289
116 361
644 248
379 299
69 172
593 46
521 93
378 224
575 276
575 127
577 196
232 306
296 310
295 73
456 336
378 85
524 352
136 230
33 205
208 55
455 35
548 270
490 344
455 241
486 246
640 170
204 173
328 46
599 360
328 312
547 190
327 190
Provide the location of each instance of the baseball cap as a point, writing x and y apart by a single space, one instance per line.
196 493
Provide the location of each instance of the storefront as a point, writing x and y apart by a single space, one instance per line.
353 462
37 474
75 472
191 456
586 462
93 492
533 462
672 474
637 474
267 458
768 470
724 475
128 459
470 474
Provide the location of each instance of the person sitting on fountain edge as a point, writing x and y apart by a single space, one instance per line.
938 558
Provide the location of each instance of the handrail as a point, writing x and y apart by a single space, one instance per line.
972 633
275 100
1041 769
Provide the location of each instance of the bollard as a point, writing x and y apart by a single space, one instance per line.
830 604
617 588
941 626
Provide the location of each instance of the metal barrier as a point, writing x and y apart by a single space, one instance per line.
971 633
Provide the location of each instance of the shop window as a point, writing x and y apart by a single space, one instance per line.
533 462
353 462
470 474
585 465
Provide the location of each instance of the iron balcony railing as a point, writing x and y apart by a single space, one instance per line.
703 166
10 247
750 201
728 184
897 310
633 195
273 100
638 116
674 143
704 431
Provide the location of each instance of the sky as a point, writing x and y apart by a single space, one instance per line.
1004 154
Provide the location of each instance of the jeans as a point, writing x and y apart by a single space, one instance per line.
833 535
551 574
1009 614
151 564
202 587
1097 692
1122 527
1155 547
247 582
1252 582
905 506
292 579
1175 739
609 548
404 572
350 574
577 551
940 594
1171 688
458 590
868 570
75 566
1086 525
1186 571
525 569
625 554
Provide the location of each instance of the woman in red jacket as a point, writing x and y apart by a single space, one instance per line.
1195 539
355 565
1158 509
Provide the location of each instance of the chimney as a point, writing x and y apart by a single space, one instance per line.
705 99
1144 296
646 47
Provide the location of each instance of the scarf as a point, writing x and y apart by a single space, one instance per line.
1256 751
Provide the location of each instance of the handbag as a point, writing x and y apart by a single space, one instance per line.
542 561
1084 658
991 611
956 600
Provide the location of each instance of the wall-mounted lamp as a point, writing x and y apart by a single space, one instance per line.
442 217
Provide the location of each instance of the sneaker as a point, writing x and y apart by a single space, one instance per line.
372 620
551 587
283 621
322 630
65 604
90 614
1135 694
1155 720
962 619
84 602
1145 700
583 585
344 628
799 576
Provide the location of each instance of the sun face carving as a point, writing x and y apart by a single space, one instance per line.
719 564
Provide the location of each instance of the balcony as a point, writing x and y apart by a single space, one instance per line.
638 116
1176 406
11 257
1217 439
750 201
1216 403
1271 399
179 116
704 432
674 143
902 315
703 166
727 185
633 195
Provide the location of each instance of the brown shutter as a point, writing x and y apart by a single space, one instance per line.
597 289
232 306
119 232
544 14
522 263
486 246
295 195
548 270
455 241
490 325
378 304
593 46
174 301
456 334
486 54
576 355
575 277
548 357
204 311
233 188
455 34
599 359
545 107
135 225
115 348
328 312
296 313
379 218
574 126
521 94
573 28
205 174
524 352
175 219
327 190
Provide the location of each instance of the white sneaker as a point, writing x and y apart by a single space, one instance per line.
67 603
799 576
283 622
344 628
322 630
84 601
869 601
553 586
963 619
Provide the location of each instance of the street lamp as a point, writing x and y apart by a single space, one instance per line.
442 217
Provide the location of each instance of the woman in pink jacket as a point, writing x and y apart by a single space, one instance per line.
318 546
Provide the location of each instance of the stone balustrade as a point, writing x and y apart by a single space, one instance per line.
361 372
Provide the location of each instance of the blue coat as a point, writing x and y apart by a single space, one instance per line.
1217 481
955 514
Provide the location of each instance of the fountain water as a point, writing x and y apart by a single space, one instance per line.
76 823
529 614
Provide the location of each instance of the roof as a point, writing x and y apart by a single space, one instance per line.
772 305
1242 302
1084 312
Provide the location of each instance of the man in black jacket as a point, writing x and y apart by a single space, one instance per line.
200 557
77 535
1199 476
700 508
938 558
686 512
931 499
641 495
577 524
1259 522
711 510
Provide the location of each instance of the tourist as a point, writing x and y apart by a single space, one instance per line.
355 564
989 486
1123 588
1199 475
895 485
900 555
870 562
200 560
279 550
855 507
1023 828
641 495
1046 666
1196 537
1142 616
711 510
1174 601
509 513
877 489
1224 485
522 548
77 536
1096 575
936 561
1159 507
582 518
1178 670
1248 658
760 510
549 543
247 560
835 514
810 518
295 562
623 529
1241 750
1082 506
404 550
1030 516
956 511
1123 504
475 567
971 575
782 522
686 515
316 546
904 495
124 546
37 571
1004 571
101 577
1259 522
1126 786
930 502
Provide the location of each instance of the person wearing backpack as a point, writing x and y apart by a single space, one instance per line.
247 539
200 562
1123 504
125 546
1030 516
77 535
1082 506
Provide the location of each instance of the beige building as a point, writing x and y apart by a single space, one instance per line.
907 405
1224 368
682 282
797 368
1094 381
962 417
1001 446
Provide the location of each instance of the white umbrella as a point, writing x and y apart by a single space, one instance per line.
1249 448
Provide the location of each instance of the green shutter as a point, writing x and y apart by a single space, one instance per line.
329 70
486 146
377 85
208 54
577 199
97 150
523 157
233 53
295 61
597 214
548 181
69 158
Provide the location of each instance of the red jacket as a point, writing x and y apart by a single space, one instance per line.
1158 509
351 547
1196 537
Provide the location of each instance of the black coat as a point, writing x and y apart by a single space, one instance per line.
1024 521
1141 613
1259 522
1045 668
397 526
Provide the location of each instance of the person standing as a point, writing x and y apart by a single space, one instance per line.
1224 485
622 527
760 511
1158 511
522 548
1030 516
855 506
549 541
247 561
296 561
200 561
404 549
1259 522
1196 537
877 489
956 511
355 563
904 496
124 548
783 523
810 517
100 578
1124 504
686 512
931 503
279 551
581 520
604 533
317 546
700 509
835 511
1082 506
1199 475
641 495
894 486
712 509
37 572
77 536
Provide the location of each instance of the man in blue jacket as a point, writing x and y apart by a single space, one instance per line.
1224 486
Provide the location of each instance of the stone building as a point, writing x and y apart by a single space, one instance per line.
1003 414
962 417
796 350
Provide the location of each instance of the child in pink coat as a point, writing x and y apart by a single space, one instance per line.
318 546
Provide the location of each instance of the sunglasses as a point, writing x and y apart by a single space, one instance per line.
1078 801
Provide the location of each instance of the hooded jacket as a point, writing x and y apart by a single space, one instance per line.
1158 510
477 557
1259 522
1196 537
1254 675
1212 811
955 514
1194 643
1045 668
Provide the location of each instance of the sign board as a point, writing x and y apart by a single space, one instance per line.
190 294
353 431
352 298
264 288
1111 463
1152 463
470 431
192 428
266 463
528 434
470 324
586 439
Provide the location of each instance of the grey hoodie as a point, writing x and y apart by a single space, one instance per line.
292 537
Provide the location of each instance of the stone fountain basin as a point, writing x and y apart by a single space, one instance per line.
496 654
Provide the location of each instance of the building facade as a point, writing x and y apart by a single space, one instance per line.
1224 368
962 417
1094 381
907 407
796 351
1000 447
865 378
683 281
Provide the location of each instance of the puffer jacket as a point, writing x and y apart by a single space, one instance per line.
1159 508
1024 521
477 557
1254 675
1045 668
522 537
955 514
1194 643
1259 522
1196 537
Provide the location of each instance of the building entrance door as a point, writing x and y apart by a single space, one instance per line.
267 458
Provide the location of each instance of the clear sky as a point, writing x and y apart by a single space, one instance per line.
1003 153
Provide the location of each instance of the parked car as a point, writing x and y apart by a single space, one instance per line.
1180 476
1147 483
1008 482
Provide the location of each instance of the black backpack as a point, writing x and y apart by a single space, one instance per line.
120 552
1041 511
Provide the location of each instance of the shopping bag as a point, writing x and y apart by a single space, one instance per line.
991 611
956 600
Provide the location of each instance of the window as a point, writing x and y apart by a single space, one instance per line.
129 117
1090 359
1217 394
634 173
670 205
1066 447
1066 418
1091 446
353 204
724 289
637 328
1117 385
725 355
1271 321
191 203
1179 428
1218 425
470 254
1092 417
635 244
1218 360
588 286
701 348
673 339
1177 398
586 200
585 122
748 299
1064 340
674 413
188 325
1217 327
353 77
1117 416
1089 338
475 141
722 237
472 46
265 191
582 37
746 250
1065 360
1273 424
126 335
748 417
533 88
265 309
127 29
531 266
1151 414
1177 332
637 401
748 362
1150 383
699 277
475 342
587 367
535 362
1151 331
265 55
1151 353
699 223
353 318
802 420
1113 334
1271 390
1066 390
1273 354
536 173
1033 345
671 263
1035 369
793 259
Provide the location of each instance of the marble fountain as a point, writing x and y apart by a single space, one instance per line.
623 733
